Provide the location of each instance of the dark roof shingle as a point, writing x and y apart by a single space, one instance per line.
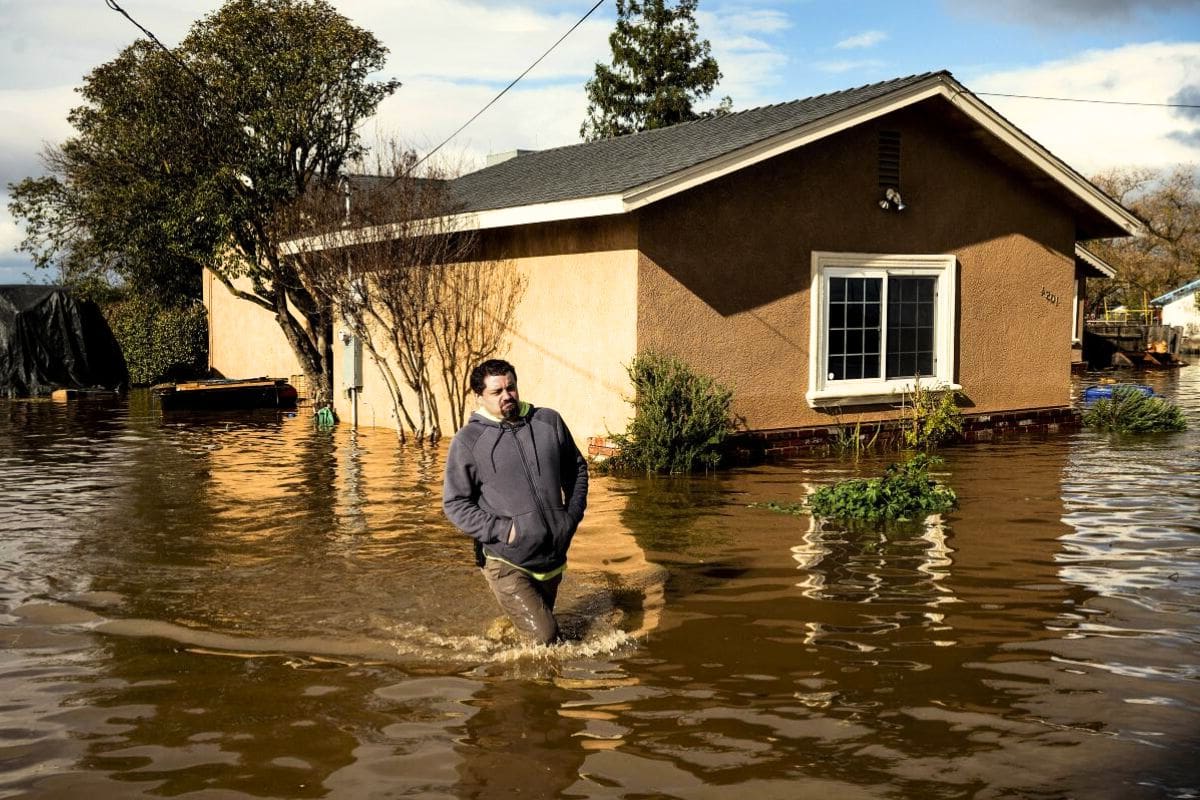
611 166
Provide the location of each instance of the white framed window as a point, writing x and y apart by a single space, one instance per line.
878 324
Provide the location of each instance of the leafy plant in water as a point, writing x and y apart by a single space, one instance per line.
930 417
680 418
905 492
852 440
1129 411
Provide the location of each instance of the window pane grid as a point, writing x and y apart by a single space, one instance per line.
910 319
854 332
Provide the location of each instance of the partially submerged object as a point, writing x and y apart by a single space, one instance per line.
1105 391
50 340
226 394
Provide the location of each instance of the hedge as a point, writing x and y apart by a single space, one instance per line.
160 343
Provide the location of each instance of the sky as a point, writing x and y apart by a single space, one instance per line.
453 56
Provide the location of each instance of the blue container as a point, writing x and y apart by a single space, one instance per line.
1105 392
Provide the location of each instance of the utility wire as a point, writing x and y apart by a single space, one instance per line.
150 35
506 88
1082 100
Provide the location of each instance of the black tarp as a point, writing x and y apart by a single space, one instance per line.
49 340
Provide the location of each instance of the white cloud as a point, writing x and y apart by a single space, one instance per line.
534 118
1094 136
32 117
751 61
862 40
1066 12
479 41
13 265
848 65
744 19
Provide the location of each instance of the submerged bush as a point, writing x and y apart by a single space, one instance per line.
905 492
1130 411
160 342
930 417
680 418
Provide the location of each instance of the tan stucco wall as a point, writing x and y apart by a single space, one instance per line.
244 340
571 335
724 272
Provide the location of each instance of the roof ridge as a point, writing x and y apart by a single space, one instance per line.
711 118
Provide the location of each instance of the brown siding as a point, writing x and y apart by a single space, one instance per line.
724 270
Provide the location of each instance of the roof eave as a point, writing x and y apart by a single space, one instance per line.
1097 267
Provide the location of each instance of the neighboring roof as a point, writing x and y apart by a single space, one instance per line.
1093 265
620 175
1175 294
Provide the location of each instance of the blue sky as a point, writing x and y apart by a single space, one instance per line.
454 55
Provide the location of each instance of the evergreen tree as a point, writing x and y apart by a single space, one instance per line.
660 68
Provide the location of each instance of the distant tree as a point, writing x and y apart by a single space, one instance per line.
194 157
660 69
1168 255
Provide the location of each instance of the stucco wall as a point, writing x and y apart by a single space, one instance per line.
571 334
244 340
724 270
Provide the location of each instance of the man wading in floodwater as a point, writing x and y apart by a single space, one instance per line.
516 484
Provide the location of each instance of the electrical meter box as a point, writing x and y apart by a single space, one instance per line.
352 361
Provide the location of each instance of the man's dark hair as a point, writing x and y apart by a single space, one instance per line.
493 366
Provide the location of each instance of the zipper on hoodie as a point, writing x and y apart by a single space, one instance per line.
537 501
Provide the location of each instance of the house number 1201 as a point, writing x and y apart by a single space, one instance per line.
1051 297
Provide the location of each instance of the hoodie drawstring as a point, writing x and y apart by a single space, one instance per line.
495 444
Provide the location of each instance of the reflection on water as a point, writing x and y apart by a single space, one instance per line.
243 605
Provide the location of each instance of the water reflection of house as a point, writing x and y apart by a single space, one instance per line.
816 255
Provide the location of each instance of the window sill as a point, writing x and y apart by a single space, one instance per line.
871 394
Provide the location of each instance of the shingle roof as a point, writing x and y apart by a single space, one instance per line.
615 165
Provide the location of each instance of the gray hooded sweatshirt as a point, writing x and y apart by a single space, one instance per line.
528 472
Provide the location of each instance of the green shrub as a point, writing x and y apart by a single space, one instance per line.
905 492
160 342
680 418
1129 411
930 417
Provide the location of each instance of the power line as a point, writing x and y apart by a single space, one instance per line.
514 83
1083 100
150 35
115 7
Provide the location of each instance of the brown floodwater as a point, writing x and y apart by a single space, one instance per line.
239 605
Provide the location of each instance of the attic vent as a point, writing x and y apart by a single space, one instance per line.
889 159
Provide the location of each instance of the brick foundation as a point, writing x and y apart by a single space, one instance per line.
756 446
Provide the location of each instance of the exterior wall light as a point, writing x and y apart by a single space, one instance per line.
891 199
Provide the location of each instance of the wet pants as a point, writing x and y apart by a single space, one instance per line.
528 602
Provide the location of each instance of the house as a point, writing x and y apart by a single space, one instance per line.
1181 307
819 256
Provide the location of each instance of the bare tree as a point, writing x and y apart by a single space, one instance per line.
1168 255
393 259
